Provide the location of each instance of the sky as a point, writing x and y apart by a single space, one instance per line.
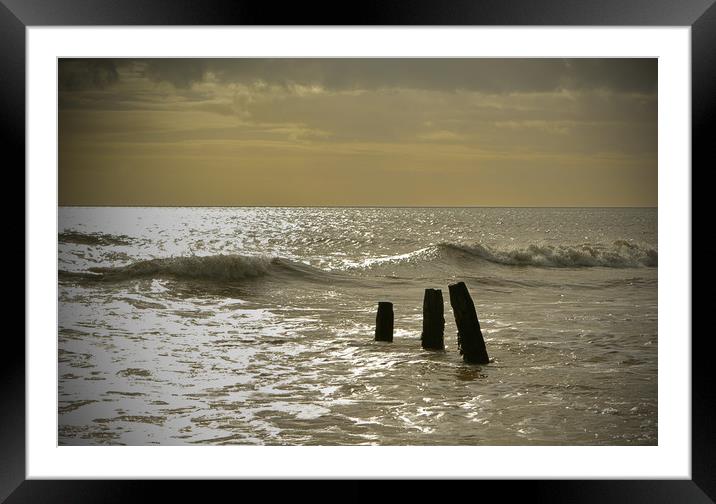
358 132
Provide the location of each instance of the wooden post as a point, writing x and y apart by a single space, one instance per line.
433 320
384 322
469 336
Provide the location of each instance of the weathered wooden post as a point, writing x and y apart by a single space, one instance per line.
469 336
384 322
433 320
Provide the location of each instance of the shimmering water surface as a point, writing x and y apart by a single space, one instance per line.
255 326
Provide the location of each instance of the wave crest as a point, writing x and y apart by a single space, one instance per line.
619 254
225 268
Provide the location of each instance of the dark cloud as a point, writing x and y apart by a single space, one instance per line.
82 74
443 74
180 72
621 74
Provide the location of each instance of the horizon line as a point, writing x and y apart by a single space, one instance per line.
351 206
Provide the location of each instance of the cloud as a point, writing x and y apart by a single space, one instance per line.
286 120
179 72
619 74
441 74
78 75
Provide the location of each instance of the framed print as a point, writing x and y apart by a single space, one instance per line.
291 248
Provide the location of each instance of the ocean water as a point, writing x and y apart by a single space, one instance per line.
255 326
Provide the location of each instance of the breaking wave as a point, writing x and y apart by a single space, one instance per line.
222 268
446 256
619 254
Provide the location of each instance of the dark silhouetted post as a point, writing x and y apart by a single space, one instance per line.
384 322
469 336
433 320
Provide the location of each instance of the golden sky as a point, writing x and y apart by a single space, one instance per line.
358 132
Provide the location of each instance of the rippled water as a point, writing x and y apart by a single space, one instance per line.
255 326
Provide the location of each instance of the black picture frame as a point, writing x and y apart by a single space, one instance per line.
700 15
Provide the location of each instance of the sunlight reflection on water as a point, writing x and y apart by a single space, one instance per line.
288 357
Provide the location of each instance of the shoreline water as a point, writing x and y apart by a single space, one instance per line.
163 354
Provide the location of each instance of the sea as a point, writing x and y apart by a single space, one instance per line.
248 325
